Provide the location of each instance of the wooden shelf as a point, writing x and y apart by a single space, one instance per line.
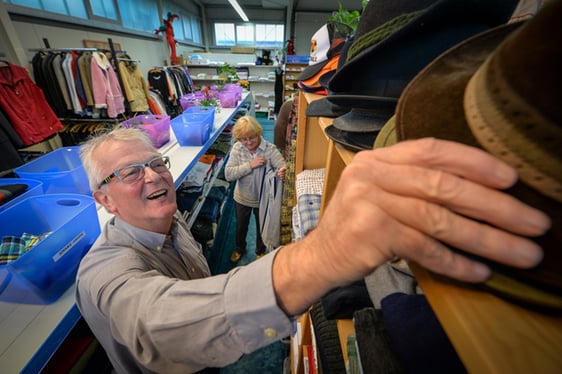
490 334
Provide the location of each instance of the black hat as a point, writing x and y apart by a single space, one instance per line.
395 39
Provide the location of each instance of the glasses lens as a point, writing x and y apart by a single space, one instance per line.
160 165
131 174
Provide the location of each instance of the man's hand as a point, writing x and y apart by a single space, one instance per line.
412 200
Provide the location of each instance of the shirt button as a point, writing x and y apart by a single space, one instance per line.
270 333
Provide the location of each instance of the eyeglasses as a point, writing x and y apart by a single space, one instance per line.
248 138
133 173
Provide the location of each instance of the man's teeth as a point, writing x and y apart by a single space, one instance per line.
157 194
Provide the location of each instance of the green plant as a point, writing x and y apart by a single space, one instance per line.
227 73
346 22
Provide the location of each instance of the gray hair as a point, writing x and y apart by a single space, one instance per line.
119 134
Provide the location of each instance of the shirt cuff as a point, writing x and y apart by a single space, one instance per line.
251 305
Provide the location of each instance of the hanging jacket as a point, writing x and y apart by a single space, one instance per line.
105 86
135 87
25 105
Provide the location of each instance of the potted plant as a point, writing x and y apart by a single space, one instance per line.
346 22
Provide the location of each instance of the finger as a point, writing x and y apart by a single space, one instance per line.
456 158
375 236
462 233
462 196
438 258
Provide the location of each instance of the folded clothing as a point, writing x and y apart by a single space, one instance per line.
11 191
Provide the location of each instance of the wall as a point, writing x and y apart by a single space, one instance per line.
306 24
150 51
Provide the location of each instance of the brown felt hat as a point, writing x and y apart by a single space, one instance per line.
500 91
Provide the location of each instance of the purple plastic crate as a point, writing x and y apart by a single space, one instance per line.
156 126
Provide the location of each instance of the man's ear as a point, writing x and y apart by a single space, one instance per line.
104 199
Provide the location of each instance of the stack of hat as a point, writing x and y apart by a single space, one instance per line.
395 39
499 91
325 48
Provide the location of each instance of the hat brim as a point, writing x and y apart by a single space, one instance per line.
439 89
311 70
367 114
324 108
439 27
352 141
337 105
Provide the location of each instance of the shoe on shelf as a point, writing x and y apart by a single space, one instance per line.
260 255
235 256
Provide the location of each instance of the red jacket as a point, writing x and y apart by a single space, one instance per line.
25 106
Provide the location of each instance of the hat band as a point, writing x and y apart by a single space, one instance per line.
510 138
380 33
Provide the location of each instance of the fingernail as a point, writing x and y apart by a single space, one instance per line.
538 220
481 270
530 254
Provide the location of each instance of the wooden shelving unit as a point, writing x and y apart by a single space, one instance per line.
490 335
293 67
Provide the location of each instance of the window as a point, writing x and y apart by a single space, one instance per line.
245 34
138 15
141 15
67 7
186 27
104 9
248 34
224 34
269 35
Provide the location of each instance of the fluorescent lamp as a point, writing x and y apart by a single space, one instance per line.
239 10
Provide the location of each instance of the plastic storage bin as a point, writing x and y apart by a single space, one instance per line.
156 126
43 273
34 187
194 126
61 171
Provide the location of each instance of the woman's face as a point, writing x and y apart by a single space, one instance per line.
251 142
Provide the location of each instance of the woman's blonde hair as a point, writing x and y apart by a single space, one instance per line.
246 126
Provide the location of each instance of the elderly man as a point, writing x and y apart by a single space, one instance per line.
145 288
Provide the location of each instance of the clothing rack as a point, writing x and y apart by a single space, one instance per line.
127 59
81 49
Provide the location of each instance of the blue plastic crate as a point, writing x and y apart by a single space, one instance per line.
34 187
194 126
43 273
297 59
61 171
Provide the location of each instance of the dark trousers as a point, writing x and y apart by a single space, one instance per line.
243 214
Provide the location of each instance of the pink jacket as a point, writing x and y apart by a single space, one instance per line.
105 86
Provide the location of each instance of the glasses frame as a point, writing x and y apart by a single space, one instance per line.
248 138
117 173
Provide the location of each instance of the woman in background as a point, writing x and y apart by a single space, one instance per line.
249 158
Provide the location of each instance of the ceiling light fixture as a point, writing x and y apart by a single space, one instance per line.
239 10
